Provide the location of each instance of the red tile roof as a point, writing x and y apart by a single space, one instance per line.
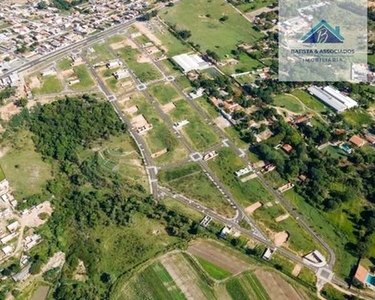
287 148
361 274
357 140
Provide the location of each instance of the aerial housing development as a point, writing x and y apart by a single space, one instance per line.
148 150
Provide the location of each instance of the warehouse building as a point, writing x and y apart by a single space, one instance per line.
333 98
191 62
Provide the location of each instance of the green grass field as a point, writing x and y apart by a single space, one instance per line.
199 134
206 105
85 79
371 60
50 85
246 193
310 101
160 137
2 174
192 182
358 118
25 170
288 102
245 64
333 235
126 247
64 64
254 5
116 39
174 45
165 93
201 17
144 71
213 270
100 54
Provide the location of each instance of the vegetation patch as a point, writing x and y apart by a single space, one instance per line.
288 102
213 270
164 93
191 181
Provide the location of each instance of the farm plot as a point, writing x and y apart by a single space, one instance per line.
191 181
218 256
204 19
196 131
153 283
139 64
159 139
246 286
188 277
276 287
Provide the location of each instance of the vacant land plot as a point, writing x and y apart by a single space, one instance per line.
122 248
358 118
201 17
196 131
173 44
247 192
310 101
119 155
49 85
99 53
191 181
159 137
85 79
276 287
64 64
217 256
164 93
25 170
335 237
245 64
145 71
288 102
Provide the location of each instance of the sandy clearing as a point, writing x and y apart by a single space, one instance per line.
142 27
221 122
139 121
280 238
276 287
253 207
67 73
217 256
168 107
247 178
34 82
123 44
131 110
184 276
8 111
4 151
282 218
297 269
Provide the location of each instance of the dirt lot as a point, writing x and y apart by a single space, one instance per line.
123 44
276 287
250 209
139 121
183 275
168 107
217 256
